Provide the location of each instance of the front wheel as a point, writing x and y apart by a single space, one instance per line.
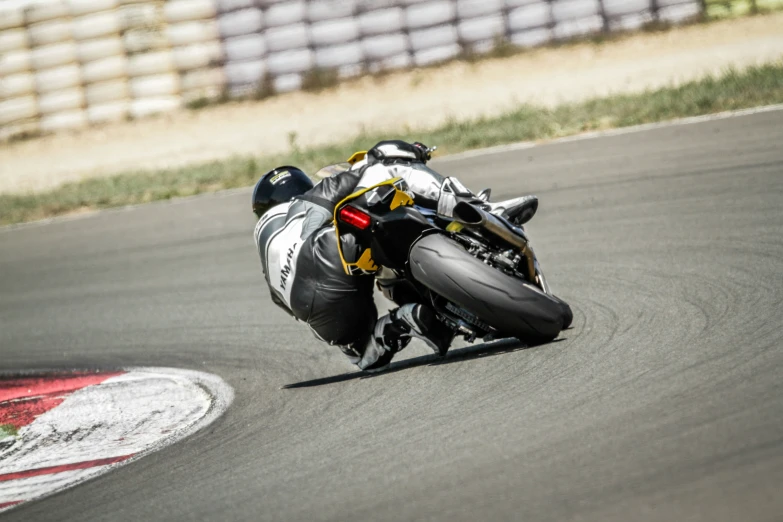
510 305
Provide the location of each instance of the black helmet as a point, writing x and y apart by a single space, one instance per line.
278 186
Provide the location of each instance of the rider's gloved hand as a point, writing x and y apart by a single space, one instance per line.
422 151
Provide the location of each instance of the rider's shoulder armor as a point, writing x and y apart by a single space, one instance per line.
330 191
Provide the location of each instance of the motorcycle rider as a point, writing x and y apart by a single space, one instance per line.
298 248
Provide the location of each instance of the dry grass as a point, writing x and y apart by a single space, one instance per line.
733 90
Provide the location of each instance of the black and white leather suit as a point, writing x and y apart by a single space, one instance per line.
297 244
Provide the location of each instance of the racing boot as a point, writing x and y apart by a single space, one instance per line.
517 210
421 323
390 336
393 332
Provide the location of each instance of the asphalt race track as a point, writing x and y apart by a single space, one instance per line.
663 402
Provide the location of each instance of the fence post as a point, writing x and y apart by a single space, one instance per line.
603 16
654 10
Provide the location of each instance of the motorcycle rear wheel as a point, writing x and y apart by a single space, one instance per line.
512 306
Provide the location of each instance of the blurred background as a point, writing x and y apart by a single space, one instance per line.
92 88
67 64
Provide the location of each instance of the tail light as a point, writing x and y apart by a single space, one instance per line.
355 217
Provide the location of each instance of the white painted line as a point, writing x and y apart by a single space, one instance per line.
40 486
522 145
87 432
487 151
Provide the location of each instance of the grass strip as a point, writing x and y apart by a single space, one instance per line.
721 9
8 430
752 87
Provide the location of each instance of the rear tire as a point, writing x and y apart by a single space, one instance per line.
512 306
568 315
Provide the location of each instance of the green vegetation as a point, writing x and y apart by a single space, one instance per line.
753 87
8 430
318 80
719 9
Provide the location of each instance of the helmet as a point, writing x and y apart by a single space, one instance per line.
278 186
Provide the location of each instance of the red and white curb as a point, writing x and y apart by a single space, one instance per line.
60 429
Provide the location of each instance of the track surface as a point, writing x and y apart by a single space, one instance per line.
662 403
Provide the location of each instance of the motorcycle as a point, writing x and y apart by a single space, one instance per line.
476 270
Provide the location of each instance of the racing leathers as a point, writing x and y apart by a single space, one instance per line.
299 255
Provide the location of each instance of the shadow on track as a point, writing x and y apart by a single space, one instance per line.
499 347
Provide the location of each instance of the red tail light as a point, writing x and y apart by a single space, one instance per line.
355 217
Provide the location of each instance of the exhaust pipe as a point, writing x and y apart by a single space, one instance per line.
474 216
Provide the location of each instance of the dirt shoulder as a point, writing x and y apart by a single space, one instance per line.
413 99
